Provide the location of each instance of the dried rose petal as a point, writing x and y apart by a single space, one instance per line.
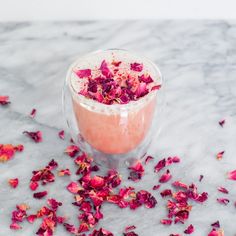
148 158
136 66
40 195
116 63
15 226
180 185
61 134
33 113
216 232
137 172
105 70
232 175
166 221
97 182
70 228
13 182
174 235
83 73
73 187
33 185
132 233
101 232
155 187
7 151
141 90
4 100
221 123
72 150
216 224
189 230
223 190
220 155
31 218
156 87
160 165
130 227
166 193
223 201
64 172
200 178
165 177
54 204
36 136
146 79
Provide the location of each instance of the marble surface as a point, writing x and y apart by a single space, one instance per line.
198 61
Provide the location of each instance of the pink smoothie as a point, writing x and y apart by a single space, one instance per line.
114 128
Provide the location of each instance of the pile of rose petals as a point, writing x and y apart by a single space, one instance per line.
112 84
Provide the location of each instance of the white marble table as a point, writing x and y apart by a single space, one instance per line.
198 61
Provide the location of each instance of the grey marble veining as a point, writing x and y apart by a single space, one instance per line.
198 61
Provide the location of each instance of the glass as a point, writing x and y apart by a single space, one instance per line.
115 134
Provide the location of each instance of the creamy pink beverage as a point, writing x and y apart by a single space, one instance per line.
114 96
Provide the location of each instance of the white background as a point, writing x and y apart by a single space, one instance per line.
18 10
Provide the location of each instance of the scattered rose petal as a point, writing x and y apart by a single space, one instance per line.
36 136
189 230
61 134
146 79
73 187
221 123
156 187
166 221
72 150
105 70
33 185
223 201
40 195
137 172
220 155
64 172
33 113
13 182
31 218
223 190
156 87
148 158
83 73
15 226
232 175
216 232
7 151
130 227
132 233
165 177
200 178
136 66
4 100
216 224
166 193
179 184
101 232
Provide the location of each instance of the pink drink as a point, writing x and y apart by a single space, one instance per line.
118 127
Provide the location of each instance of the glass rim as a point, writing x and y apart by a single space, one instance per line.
89 102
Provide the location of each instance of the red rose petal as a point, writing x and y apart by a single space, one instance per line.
72 150
137 172
156 187
223 201
97 182
31 218
7 151
165 177
64 172
221 123
101 232
156 87
132 233
216 224
33 185
73 187
54 204
215 232
13 182
83 73
4 100
166 193
15 226
136 66
146 79
141 90
160 165
40 195
36 136
33 113
105 70
220 155
166 221
223 190
70 228
148 159
61 134
130 227
232 175
189 230
179 184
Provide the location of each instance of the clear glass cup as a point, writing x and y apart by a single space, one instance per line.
118 134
